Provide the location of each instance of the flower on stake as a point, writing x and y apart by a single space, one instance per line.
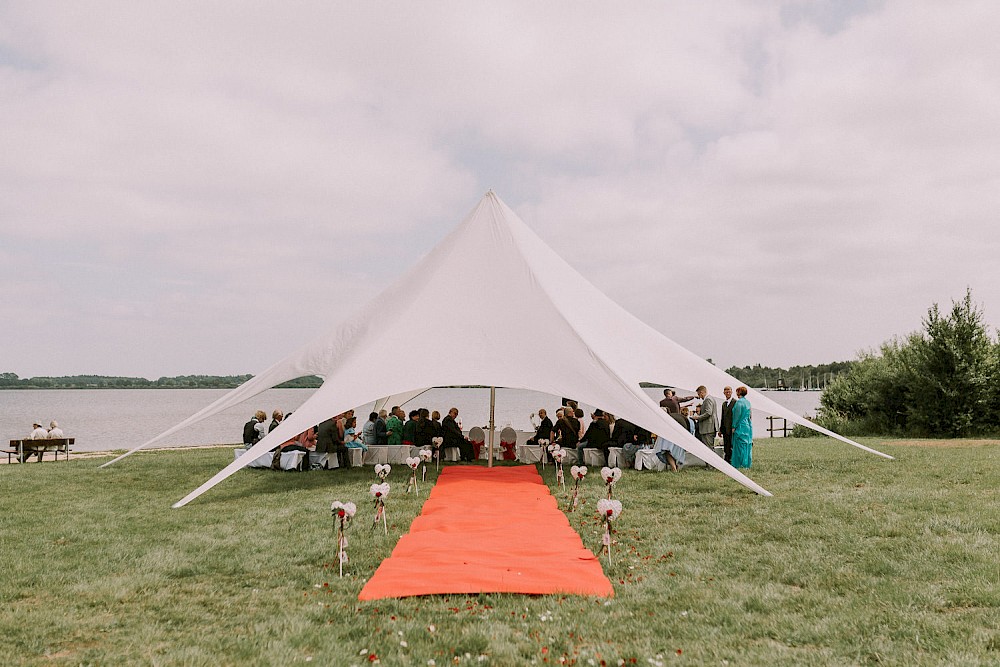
558 454
382 471
608 510
611 477
342 515
378 493
544 444
436 443
578 473
425 456
413 462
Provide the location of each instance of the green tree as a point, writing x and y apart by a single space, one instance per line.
951 371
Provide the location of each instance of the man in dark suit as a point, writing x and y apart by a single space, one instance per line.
598 436
453 436
726 424
544 430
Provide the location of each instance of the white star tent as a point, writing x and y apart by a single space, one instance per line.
562 336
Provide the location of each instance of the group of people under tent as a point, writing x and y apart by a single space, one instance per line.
336 435
705 420
38 432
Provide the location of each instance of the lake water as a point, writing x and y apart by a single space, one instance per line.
107 419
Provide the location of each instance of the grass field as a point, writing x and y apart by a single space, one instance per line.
856 560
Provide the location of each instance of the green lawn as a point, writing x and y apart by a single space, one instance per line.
856 560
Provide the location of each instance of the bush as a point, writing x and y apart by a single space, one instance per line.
938 382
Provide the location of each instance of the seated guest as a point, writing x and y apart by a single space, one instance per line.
276 418
626 436
568 429
668 452
351 438
437 430
394 426
37 433
251 432
598 436
543 430
368 436
688 422
410 429
425 430
453 436
381 431
54 431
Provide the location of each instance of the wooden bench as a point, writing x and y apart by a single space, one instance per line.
55 445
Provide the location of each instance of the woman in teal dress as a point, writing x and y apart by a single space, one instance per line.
742 430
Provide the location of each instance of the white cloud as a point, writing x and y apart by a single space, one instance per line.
783 183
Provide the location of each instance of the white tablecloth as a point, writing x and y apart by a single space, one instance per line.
289 460
615 457
647 459
529 453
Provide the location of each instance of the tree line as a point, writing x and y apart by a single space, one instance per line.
12 381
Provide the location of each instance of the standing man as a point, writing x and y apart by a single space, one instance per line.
726 424
705 427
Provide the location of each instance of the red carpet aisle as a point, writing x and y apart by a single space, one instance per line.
489 530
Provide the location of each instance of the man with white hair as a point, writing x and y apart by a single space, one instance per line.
54 431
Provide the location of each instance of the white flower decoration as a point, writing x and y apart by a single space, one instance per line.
609 509
578 471
426 455
379 490
558 454
437 441
413 461
554 447
543 442
348 508
383 469
611 475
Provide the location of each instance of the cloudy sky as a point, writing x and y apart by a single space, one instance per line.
202 187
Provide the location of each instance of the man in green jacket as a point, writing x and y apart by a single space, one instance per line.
394 426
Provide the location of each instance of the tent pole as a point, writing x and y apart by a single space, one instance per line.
493 402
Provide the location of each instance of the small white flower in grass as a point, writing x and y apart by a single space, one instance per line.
431 628
403 644
363 651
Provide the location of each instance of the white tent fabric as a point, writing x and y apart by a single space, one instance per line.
566 339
